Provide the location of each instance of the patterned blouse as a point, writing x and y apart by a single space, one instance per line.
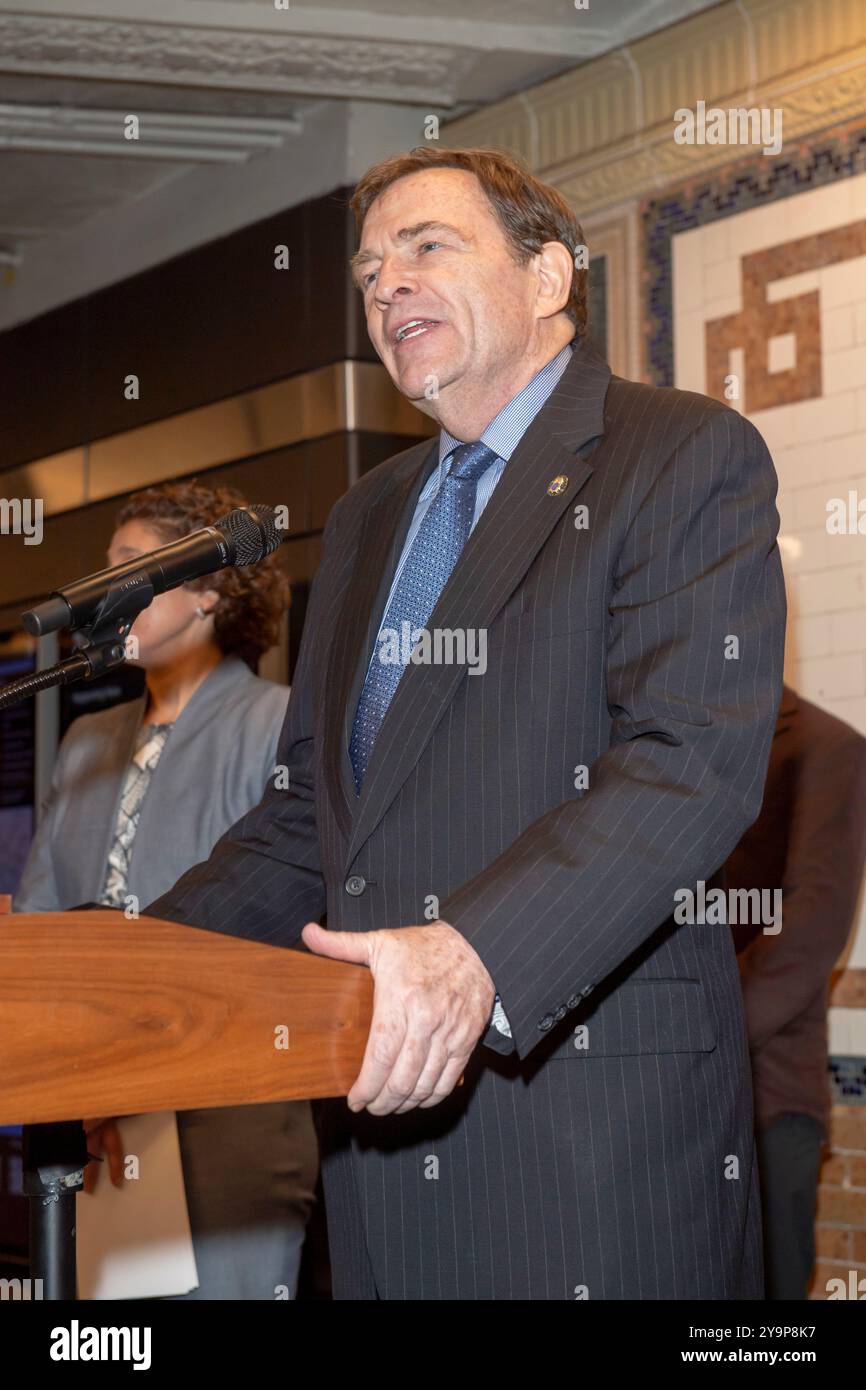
149 744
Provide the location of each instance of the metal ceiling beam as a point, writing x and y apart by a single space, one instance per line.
163 135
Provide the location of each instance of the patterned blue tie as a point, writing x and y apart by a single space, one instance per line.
434 553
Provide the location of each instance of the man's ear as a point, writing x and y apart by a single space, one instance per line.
555 269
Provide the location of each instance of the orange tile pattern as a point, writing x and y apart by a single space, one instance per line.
759 320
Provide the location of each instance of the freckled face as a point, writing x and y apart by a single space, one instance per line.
433 251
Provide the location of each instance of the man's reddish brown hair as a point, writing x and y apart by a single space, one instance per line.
530 212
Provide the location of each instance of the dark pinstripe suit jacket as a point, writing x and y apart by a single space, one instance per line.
611 1154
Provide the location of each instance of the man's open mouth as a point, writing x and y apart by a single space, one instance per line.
413 329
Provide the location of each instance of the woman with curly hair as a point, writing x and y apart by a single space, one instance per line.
141 792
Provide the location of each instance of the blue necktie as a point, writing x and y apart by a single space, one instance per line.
434 553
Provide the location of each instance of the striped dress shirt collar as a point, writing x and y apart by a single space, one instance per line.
506 429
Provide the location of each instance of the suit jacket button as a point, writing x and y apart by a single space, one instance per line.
560 1013
546 1022
573 1001
355 884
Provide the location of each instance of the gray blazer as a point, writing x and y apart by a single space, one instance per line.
611 1152
215 765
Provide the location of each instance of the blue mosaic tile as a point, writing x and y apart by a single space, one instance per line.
847 1077
756 181
596 297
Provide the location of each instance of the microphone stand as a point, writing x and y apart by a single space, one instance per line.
55 1155
104 644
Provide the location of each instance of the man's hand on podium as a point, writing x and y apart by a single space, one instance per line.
432 1001
103 1136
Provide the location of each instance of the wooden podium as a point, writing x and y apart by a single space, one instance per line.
101 1015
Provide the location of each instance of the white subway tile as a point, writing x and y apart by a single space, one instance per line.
811 503
714 242
810 421
827 591
846 1032
782 352
844 370
690 351
856 959
847 632
837 328
857 196
792 286
838 280
842 458
828 678
812 636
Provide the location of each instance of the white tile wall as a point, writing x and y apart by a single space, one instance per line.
819 448
839 327
781 353
847 1032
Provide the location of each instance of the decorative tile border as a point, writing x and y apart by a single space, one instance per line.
847 1077
750 183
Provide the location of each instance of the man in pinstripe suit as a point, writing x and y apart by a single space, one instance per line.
503 847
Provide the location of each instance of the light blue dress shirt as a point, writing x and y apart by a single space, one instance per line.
502 435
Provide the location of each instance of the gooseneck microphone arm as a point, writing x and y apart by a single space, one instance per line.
104 605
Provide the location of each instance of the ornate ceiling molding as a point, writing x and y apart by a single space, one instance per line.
600 111
314 65
629 172
163 135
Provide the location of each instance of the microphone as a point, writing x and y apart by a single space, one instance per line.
242 537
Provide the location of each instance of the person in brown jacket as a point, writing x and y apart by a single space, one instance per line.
809 841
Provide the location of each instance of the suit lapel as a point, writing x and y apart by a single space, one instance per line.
383 534
511 530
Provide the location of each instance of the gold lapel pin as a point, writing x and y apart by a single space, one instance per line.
558 484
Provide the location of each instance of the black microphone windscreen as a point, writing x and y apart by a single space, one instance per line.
253 532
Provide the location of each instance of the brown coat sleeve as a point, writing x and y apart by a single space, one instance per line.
823 873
